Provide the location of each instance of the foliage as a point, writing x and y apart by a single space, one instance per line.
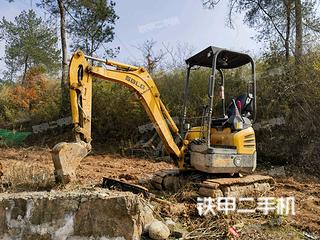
28 95
52 6
116 113
29 42
7 108
58 7
292 92
35 100
278 21
92 25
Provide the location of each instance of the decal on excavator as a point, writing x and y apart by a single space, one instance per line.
135 82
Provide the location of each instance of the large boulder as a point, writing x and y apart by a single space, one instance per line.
97 214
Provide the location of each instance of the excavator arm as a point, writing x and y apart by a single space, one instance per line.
67 156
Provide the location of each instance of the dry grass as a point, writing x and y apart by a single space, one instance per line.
19 176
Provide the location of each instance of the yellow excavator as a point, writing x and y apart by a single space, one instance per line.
223 145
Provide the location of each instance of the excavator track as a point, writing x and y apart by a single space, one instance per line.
170 180
212 186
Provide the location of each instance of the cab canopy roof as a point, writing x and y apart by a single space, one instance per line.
226 59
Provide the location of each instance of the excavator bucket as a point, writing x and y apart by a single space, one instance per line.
66 158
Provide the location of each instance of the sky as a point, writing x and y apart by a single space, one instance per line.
164 21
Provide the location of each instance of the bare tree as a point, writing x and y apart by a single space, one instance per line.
64 63
151 60
210 3
177 55
288 4
58 7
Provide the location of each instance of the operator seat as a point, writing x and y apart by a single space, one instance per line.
245 105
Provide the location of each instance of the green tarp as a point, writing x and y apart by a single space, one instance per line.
8 137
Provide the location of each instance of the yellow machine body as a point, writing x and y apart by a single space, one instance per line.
244 141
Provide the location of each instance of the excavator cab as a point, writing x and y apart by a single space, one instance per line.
224 143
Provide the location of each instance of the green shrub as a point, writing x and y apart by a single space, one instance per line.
294 94
116 114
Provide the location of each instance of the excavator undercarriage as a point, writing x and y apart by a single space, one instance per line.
212 156
212 185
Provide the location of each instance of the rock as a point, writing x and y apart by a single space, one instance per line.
147 216
145 181
178 234
64 215
170 224
158 231
176 229
277 172
276 221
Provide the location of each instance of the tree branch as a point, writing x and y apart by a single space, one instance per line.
271 19
210 4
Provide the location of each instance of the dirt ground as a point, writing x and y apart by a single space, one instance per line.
31 169
34 165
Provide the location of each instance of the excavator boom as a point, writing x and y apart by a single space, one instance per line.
67 156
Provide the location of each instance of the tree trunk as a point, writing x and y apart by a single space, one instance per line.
25 70
299 32
64 64
288 25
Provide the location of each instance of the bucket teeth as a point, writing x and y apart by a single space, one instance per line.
66 158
